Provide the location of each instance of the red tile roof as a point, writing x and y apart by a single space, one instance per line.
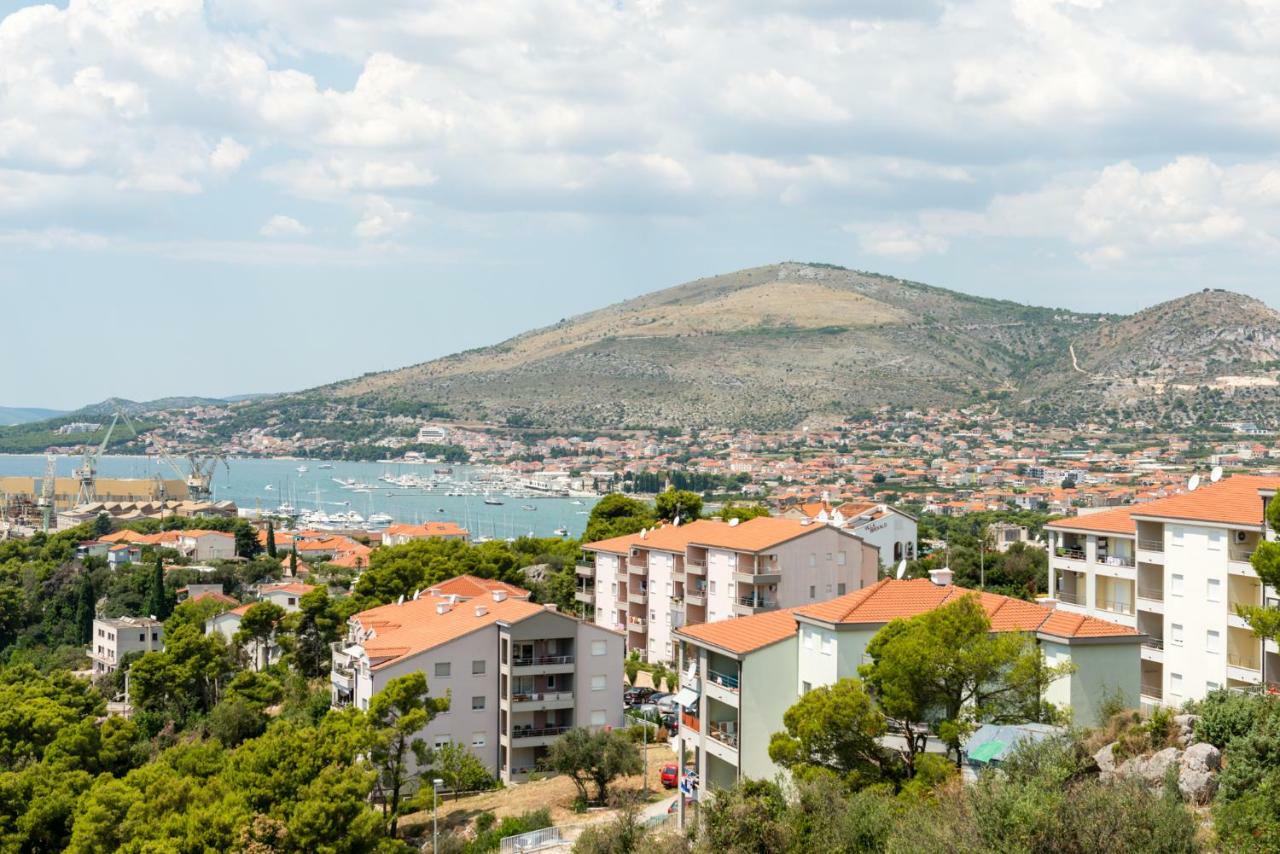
1233 501
471 586
1117 521
744 634
402 630
753 535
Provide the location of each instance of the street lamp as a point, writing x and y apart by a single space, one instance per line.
435 819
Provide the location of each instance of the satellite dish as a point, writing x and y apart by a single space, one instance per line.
902 569
1216 474
1193 483
416 594
400 601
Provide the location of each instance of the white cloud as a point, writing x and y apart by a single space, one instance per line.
227 155
283 226
380 219
895 240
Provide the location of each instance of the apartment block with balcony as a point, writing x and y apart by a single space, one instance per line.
518 674
117 637
1178 567
648 585
740 676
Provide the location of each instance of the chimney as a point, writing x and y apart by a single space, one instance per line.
551 606
940 577
499 595
443 607
481 610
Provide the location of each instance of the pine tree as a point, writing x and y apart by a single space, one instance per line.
85 609
158 604
271 539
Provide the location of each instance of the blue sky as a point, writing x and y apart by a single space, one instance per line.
238 196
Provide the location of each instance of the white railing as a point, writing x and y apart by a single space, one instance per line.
546 839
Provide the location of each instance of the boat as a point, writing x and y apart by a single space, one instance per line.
302 469
442 471
561 532
495 502
576 501
325 466
527 507
268 487
439 509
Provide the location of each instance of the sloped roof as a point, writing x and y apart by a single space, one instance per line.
890 599
402 630
1232 501
1117 521
753 535
471 586
744 634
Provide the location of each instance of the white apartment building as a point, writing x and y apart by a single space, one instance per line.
114 638
652 583
892 532
287 595
518 674
1175 569
739 677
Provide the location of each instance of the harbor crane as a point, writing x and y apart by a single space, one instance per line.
199 474
87 472
47 487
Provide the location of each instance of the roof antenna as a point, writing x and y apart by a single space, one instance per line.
902 570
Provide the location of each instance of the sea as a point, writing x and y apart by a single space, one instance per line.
263 484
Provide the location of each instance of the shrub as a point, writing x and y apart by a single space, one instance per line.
1224 715
492 836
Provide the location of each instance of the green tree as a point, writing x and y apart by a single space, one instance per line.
458 767
600 757
949 662
310 630
271 539
257 628
616 515
751 816
836 728
397 714
159 602
1264 620
680 503
102 525
742 512
293 560
86 605
247 545
180 681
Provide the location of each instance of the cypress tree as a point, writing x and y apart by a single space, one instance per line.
293 561
271 539
158 603
85 609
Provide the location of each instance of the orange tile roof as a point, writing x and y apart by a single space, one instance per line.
753 535
217 597
471 586
890 599
288 587
403 630
744 634
1232 501
1117 521
428 529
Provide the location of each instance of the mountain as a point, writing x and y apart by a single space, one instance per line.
10 415
766 347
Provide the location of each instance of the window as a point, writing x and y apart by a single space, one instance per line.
806 687
828 646
840 589
440 741
828 589
813 559
598 682
840 558
442 669
828 557
1213 641
1211 686
293 600
1216 539
155 636
1176 538
810 640
598 717
142 636
1176 583
1175 684
812 591
1213 589
653 615
1175 634
477 739
477 703
503 647
613 588
477 667
713 588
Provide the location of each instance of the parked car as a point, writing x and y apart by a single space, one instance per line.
666 705
657 697
670 722
668 775
646 710
634 695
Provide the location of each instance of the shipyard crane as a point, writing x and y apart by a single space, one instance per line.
87 473
47 487
199 476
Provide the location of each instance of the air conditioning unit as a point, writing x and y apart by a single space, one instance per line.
1240 536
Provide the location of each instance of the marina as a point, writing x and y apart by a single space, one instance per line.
492 504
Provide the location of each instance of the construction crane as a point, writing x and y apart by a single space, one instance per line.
199 475
87 473
47 486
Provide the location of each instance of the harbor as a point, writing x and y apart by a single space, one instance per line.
489 502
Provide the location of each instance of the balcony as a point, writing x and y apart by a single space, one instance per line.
527 736
343 678
769 577
1069 554
542 665
1151 545
1071 598
1243 668
688 721
745 606
639 625
587 596
722 687
1153 649
637 567
1116 560
541 701
1115 606
1152 690
695 566
1240 554
637 597
585 570
725 732
695 595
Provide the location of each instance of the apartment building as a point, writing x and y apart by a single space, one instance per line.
116 637
649 584
1176 569
738 677
893 532
287 595
518 674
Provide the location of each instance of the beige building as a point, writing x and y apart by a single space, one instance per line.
652 583
116 637
518 674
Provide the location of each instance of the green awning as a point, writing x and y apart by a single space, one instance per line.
988 750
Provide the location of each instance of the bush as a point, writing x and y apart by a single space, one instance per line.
1224 715
234 720
490 838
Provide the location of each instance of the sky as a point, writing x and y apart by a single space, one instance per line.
244 196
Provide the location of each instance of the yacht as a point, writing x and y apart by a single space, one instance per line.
302 469
493 501
561 532
380 520
527 507
325 466
268 487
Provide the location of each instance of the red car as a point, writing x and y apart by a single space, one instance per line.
668 775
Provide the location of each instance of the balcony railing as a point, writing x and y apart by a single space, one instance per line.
723 735
1071 598
1151 545
1243 663
1152 689
724 680
1153 643
757 602
1241 554
1154 593
1115 606
688 720
530 732
1116 560
1070 554
542 697
535 660
637 624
